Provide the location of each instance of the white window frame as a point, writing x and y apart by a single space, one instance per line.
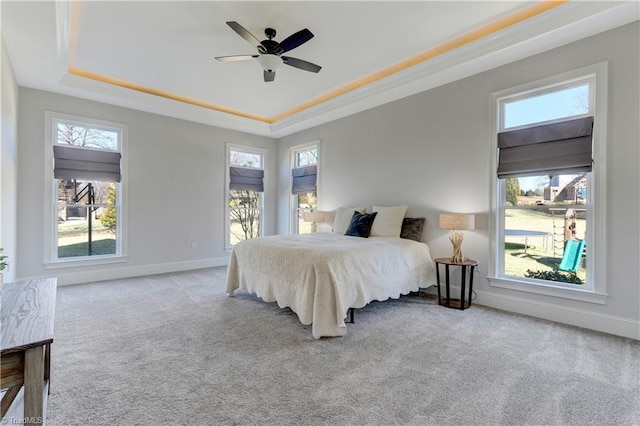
51 260
293 198
227 215
594 290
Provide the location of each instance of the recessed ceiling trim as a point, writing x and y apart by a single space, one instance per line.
465 39
114 95
168 95
446 47
542 33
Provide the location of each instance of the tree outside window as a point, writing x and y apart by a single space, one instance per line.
87 208
245 196
543 214
304 201
244 212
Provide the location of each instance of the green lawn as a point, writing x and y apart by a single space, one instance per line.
104 246
73 237
539 254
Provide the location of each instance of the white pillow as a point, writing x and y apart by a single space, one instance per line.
388 221
343 218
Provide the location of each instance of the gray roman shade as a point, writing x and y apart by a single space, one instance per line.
86 164
304 179
241 178
557 148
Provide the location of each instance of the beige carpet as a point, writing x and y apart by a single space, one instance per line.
174 350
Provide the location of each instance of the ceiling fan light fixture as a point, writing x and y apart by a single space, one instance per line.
269 61
270 51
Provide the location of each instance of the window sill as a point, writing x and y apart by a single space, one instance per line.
84 261
549 290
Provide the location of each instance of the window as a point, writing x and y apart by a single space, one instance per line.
245 180
84 214
548 199
304 176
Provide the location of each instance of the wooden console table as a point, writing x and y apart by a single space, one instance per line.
26 316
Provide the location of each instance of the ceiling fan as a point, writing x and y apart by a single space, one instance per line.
270 51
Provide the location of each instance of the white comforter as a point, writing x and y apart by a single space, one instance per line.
320 276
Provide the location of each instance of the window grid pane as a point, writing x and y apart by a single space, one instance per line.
245 205
540 214
86 218
558 104
304 202
307 202
244 215
83 217
86 137
307 158
245 159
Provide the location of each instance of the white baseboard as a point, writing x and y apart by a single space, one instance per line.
69 278
610 324
619 326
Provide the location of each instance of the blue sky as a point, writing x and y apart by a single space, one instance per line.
550 106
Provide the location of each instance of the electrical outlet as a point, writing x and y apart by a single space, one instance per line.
194 245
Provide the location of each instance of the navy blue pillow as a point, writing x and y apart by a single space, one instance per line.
360 225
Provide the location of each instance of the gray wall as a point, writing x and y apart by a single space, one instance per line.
432 152
8 165
175 189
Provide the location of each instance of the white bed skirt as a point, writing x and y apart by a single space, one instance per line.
320 276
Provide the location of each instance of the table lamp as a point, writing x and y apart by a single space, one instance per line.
315 217
457 222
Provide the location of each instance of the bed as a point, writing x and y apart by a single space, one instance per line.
321 275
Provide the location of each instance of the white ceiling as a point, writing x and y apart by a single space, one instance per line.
158 56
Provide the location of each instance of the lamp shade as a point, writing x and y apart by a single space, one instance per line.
316 217
457 221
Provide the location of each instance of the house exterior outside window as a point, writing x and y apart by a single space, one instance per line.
84 211
548 203
304 194
244 198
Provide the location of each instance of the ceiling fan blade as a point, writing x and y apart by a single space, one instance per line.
299 63
242 32
295 40
269 76
234 58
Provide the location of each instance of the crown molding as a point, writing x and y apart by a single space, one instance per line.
559 26
120 96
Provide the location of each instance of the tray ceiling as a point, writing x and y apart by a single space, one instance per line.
159 56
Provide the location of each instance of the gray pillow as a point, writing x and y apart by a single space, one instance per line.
412 228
